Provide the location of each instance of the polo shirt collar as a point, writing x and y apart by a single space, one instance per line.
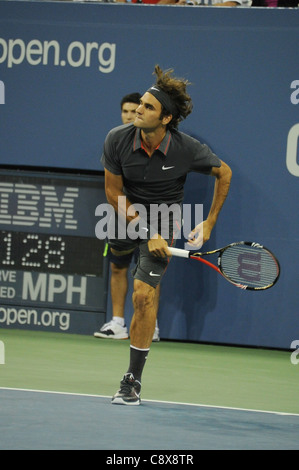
163 147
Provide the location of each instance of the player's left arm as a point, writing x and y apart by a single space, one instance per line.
202 232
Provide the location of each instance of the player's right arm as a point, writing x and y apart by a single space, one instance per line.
116 197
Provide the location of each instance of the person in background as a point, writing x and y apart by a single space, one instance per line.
116 328
128 106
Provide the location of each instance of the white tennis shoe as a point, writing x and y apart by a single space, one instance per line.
112 330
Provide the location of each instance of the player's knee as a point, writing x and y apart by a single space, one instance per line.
143 296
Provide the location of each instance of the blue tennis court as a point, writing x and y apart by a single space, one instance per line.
63 421
55 393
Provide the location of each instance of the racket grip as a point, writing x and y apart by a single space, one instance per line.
179 252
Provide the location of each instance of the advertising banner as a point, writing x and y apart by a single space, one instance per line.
64 68
51 263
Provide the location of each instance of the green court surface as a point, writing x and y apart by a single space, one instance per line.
222 376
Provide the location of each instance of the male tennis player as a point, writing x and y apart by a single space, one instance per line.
146 164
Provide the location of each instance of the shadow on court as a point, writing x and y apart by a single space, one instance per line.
45 420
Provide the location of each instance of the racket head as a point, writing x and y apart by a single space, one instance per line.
249 265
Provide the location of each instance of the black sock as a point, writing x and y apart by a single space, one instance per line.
137 361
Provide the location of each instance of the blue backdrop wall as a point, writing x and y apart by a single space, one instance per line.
63 70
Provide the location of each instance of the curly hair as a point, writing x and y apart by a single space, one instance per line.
176 89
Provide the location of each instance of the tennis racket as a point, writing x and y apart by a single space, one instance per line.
246 265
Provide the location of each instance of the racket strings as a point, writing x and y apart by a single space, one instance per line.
252 266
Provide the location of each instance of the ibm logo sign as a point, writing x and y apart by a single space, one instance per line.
2 93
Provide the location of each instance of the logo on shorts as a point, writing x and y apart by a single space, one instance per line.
154 274
167 167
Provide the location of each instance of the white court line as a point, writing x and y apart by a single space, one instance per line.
281 413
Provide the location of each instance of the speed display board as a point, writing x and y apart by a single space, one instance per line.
53 275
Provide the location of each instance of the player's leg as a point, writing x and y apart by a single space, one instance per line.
118 288
147 276
145 313
119 264
141 335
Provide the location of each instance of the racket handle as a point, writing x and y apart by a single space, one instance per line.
179 252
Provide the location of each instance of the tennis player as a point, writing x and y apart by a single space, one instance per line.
146 164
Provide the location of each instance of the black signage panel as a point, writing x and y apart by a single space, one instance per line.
53 273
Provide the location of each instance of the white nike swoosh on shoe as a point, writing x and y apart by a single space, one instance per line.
167 167
153 274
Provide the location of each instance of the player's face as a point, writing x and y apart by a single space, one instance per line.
148 112
128 112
